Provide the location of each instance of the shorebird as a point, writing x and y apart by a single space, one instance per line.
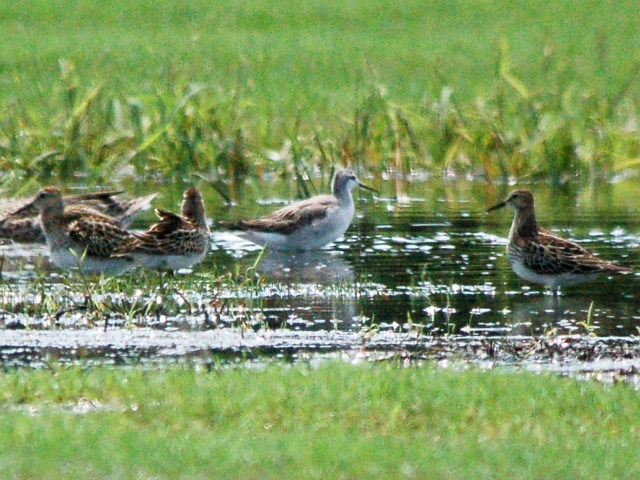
308 224
541 257
20 221
78 236
176 241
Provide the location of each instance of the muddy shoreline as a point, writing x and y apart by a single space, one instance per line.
612 358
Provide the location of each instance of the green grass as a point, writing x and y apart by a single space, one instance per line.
134 298
335 421
292 56
542 89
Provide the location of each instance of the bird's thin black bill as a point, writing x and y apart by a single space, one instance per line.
367 188
497 207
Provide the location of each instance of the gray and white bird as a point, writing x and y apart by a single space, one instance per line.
308 224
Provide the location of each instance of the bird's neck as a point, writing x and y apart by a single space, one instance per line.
524 225
195 213
51 220
52 212
343 195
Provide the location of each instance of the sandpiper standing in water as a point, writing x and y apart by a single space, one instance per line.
308 224
541 257
176 241
78 236
20 220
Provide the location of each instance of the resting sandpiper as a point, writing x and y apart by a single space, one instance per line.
176 241
20 221
308 224
541 257
78 236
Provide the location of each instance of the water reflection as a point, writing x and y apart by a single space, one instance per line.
19 262
311 313
316 292
425 252
424 255
322 267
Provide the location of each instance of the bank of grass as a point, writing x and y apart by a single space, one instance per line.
94 92
335 421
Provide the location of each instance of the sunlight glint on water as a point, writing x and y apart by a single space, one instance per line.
433 263
438 260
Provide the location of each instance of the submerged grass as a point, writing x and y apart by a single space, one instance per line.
229 90
335 421
136 299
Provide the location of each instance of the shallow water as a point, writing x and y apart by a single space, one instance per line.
420 258
428 254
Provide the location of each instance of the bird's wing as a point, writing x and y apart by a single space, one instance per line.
99 235
132 207
292 217
172 234
105 197
555 256
141 243
25 230
107 204
547 237
102 202
81 211
14 209
180 242
169 223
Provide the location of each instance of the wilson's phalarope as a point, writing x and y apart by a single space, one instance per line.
308 224
176 241
20 221
78 236
541 257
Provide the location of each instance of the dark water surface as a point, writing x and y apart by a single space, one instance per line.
421 258
424 252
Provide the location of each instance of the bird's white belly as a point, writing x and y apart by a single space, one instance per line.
549 280
169 262
310 237
65 259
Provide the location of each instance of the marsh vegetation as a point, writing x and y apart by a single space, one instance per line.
441 106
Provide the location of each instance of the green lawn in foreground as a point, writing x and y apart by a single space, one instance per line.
336 421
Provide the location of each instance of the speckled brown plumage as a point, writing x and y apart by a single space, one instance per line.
176 241
20 221
81 236
551 255
540 256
